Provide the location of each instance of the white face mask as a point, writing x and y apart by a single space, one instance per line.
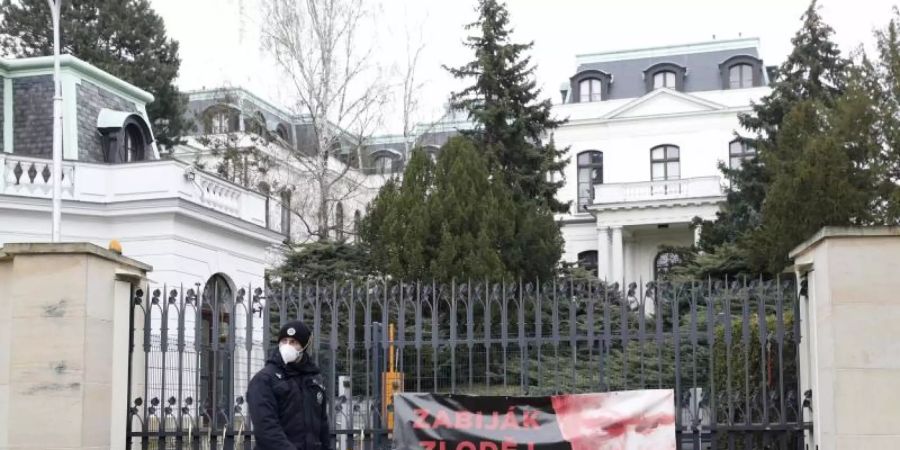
288 353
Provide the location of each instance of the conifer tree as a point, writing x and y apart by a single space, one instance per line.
885 90
513 126
467 217
814 71
454 221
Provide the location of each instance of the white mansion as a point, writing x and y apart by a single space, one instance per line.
646 130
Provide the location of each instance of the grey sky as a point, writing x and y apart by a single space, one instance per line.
219 44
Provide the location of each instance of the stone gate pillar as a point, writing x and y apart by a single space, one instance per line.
64 342
850 345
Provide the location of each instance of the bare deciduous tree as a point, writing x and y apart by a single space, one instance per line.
321 48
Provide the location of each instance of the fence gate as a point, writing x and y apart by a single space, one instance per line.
729 349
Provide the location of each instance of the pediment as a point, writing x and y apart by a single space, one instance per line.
663 102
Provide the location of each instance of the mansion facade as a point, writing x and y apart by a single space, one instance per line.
646 132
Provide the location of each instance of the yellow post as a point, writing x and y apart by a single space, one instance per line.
392 382
391 357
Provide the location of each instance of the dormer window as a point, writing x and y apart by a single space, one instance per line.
741 72
589 86
740 76
589 90
664 75
664 79
126 137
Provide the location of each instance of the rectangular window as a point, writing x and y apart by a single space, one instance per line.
589 90
595 90
590 173
664 80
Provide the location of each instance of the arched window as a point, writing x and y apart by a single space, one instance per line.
339 221
740 76
133 143
216 344
125 138
384 164
587 260
739 150
590 172
286 213
664 263
665 75
664 79
589 85
589 90
665 163
741 71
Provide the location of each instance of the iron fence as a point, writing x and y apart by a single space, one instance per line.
729 349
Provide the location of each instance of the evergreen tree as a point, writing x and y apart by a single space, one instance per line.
123 37
532 243
885 90
820 176
814 71
454 221
512 124
404 237
324 261
467 214
374 227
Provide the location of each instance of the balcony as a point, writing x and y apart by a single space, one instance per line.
144 181
657 191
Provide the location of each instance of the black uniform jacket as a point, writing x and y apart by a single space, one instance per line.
288 406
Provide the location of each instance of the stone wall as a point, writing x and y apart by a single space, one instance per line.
91 99
33 116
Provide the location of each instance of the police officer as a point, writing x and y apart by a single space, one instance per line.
287 397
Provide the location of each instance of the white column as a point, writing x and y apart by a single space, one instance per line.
618 256
603 262
7 115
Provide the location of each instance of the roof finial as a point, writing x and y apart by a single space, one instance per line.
714 37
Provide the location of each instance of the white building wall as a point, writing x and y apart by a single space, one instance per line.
701 124
181 250
703 141
579 237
